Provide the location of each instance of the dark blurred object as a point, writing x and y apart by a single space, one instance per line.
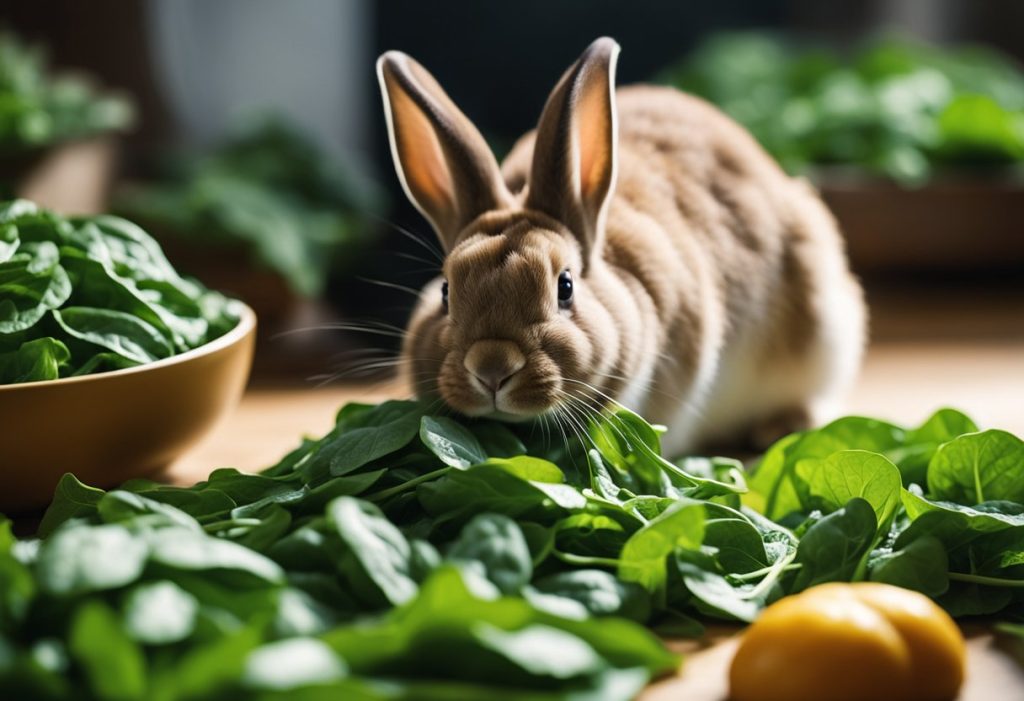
895 108
55 146
949 224
267 195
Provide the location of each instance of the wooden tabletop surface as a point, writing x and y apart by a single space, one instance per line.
902 381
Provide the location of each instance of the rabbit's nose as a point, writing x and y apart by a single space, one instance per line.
493 363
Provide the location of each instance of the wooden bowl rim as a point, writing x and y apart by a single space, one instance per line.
245 326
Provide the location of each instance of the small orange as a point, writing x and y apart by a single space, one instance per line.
850 642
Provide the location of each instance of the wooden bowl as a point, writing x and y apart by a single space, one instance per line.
114 426
71 177
955 223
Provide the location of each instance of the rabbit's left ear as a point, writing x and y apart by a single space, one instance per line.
574 159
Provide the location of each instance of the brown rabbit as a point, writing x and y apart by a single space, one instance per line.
638 247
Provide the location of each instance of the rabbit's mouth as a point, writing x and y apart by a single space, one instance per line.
499 379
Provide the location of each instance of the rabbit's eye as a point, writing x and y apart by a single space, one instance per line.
444 296
565 290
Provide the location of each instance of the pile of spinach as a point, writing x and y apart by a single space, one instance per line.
895 107
39 109
270 189
83 295
406 555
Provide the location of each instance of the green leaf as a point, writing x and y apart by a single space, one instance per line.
209 668
922 442
433 636
921 565
714 595
498 440
187 550
530 468
832 549
77 559
31 284
34 361
451 442
643 556
383 430
738 544
113 665
541 651
159 613
292 664
496 545
9 242
600 593
71 499
978 467
380 554
125 507
104 362
17 585
854 473
120 333
489 486
988 517
778 490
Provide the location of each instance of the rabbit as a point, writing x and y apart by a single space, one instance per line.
637 249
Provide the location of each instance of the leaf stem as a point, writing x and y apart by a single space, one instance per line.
982 579
231 523
774 572
573 559
404 486
756 574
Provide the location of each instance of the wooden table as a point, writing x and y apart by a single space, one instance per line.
902 381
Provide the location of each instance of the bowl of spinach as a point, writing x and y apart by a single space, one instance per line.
111 363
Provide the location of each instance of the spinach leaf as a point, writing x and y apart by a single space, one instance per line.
777 488
978 467
833 549
31 285
846 474
644 554
184 549
122 334
292 664
496 486
71 499
922 442
159 613
113 664
34 361
921 565
496 544
79 558
600 593
450 442
379 562
382 431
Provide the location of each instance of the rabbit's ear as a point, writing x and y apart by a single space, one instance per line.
574 158
444 164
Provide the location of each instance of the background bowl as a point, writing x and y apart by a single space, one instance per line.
114 426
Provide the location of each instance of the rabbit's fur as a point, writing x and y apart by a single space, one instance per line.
710 290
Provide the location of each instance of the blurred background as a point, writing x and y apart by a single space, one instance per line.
247 135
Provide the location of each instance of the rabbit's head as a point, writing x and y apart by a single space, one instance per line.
525 306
